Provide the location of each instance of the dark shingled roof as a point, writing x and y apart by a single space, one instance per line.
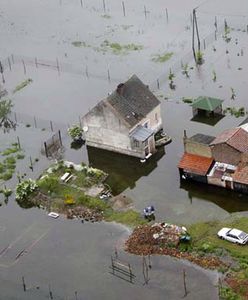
235 137
202 138
132 100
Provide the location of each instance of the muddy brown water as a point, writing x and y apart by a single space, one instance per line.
71 256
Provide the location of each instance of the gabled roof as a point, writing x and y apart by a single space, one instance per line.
132 100
202 138
206 103
241 174
234 137
195 163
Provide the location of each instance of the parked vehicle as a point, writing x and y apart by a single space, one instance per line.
233 235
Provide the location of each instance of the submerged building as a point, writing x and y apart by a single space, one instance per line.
126 121
220 161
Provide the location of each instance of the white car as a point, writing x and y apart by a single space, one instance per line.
233 235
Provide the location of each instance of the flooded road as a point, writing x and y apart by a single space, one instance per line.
37 43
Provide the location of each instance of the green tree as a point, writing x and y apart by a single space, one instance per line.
5 109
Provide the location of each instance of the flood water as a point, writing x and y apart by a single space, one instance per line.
36 37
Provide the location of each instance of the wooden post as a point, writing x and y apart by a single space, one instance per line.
57 61
36 62
45 146
158 84
23 284
145 10
24 67
197 32
204 44
193 37
60 139
12 57
35 123
215 35
9 63
104 6
50 292
123 8
116 253
108 76
81 1
31 163
130 272
18 142
51 125
184 284
76 298
86 72
113 266
15 116
215 23
80 123
167 15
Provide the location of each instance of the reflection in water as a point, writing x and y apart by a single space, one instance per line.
123 170
209 120
229 200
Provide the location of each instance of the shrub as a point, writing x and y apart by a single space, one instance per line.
25 188
75 132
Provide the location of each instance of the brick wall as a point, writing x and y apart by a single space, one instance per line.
226 154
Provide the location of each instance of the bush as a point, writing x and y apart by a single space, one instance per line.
75 132
25 188
49 184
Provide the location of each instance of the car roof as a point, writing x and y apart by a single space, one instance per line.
235 231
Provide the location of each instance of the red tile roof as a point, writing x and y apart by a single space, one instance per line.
235 137
196 164
241 174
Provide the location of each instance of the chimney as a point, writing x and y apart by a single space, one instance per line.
120 88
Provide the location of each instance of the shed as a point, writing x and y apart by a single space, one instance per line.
207 106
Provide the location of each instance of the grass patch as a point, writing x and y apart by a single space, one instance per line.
187 100
237 112
106 16
80 44
162 57
120 49
22 85
129 217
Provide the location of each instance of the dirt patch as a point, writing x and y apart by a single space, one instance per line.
121 202
142 242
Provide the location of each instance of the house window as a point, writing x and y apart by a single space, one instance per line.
156 117
136 143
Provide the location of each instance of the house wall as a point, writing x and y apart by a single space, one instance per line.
218 110
153 123
191 176
196 148
108 132
216 181
225 153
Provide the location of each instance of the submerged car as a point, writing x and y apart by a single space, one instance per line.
233 235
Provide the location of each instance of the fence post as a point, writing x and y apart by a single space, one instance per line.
24 67
123 8
167 15
45 145
51 125
36 62
9 63
158 84
57 61
184 284
18 142
60 139
35 123
104 6
12 57
108 76
23 284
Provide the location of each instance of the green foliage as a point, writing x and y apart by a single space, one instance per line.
106 16
92 203
5 108
49 184
187 100
80 44
233 111
20 156
162 57
25 188
227 293
75 132
22 85
120 49
199 57
129 217
9 151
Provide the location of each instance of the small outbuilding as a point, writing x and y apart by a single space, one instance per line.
207 106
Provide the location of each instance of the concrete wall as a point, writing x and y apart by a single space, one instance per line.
196 148
225 153
154 119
